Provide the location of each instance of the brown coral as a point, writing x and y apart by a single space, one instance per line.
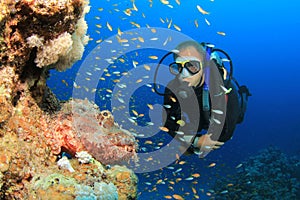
46 20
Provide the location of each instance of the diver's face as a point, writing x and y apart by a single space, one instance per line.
192 80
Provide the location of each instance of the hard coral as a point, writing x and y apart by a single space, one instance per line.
29 31
81 126
53 50
268 175
125 181
90 181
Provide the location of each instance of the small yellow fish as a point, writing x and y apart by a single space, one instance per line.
172 182
180 122
177 27
202 10
122 60
178 2
181 162
148 142
196 23
153 57
165 129
109 26
136 24
135 113
120 40
170 23
139 80
164 2
196 175
108 90
177 197
150 106
119 32
221 33
134 7
147 67
173 99
194 190
178 179
212 165
168 197
141 39
127 12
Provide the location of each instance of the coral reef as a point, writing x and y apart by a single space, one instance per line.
35 36
37 33
125 181
268 175
89 181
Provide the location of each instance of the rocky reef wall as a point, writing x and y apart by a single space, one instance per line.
35 36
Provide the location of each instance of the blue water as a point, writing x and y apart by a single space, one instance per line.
262 40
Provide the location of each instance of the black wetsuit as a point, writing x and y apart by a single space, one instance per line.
234 113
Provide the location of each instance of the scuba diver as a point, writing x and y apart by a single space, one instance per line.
203 96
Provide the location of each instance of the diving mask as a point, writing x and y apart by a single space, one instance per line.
192 65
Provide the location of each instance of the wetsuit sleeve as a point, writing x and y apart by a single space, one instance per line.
232 113
171 112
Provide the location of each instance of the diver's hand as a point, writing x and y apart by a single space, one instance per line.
206 142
